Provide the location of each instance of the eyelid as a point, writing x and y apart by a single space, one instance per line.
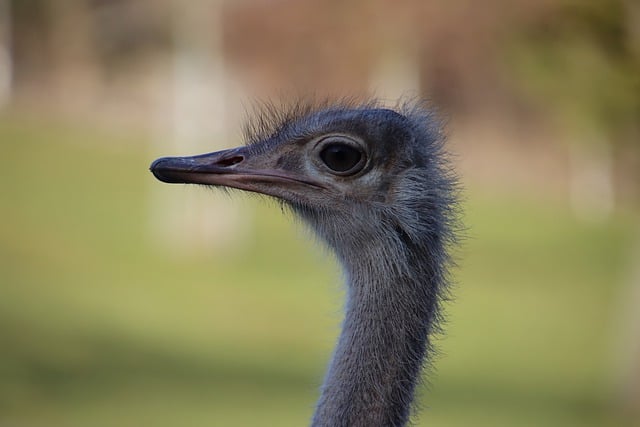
339 138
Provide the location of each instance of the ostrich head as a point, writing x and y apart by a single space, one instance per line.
374 183
352 172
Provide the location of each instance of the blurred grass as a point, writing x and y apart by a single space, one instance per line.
100 327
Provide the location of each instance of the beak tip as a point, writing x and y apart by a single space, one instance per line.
158 167
156 163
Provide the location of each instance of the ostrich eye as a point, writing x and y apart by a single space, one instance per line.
340 157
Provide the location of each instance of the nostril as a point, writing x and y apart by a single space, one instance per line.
230 161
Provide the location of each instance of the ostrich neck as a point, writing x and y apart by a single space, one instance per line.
389 313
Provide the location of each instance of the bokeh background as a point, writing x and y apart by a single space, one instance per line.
126 302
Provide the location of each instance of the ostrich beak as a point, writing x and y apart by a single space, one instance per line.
236 168
210 168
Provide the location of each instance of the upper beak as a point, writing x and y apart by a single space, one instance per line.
237 168
202 169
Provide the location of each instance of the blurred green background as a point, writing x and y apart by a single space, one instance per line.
126 302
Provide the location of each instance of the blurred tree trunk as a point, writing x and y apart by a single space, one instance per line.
6 53
194 220
591 178
628 349
75 68
396 73
631 384
632 13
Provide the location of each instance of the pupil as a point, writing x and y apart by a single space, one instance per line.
340 158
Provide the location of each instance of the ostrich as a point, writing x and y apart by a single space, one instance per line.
376 186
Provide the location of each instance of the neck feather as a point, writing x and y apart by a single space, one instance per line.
393 292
